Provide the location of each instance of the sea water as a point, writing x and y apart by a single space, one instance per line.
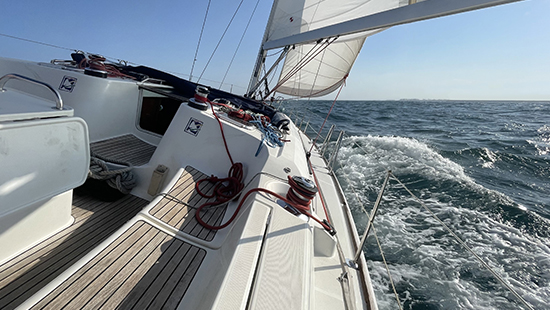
483 167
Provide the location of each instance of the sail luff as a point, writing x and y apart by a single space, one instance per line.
402 15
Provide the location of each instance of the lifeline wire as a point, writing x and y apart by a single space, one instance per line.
37 42
387 268
55 46
459 240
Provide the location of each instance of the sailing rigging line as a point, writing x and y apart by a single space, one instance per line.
253 89
208 80
37 42
273 76
304 61
316 75
328 114
275 53
63 48
293 70
265 81
322 57
199 43
240 41
310 55
220 41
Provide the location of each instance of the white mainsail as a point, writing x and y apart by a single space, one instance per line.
311 69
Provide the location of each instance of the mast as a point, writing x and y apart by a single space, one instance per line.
252 89
261 54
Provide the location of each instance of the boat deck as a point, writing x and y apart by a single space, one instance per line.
177 209
95 220
143 267
126 148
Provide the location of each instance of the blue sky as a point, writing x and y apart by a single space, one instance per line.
500 53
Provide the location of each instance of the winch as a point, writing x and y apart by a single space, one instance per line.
302 190
200 99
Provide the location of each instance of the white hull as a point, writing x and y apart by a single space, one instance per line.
267 258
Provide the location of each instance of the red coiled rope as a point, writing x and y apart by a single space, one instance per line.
97 63
226 188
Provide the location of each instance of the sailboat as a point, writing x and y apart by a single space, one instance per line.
127 187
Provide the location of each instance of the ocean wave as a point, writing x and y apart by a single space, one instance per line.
398 154
430 269
542 142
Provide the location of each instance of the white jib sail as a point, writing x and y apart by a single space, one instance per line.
326 71
295 21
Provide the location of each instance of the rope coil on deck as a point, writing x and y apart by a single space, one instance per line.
122 179
271 135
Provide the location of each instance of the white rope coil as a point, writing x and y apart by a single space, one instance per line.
122 179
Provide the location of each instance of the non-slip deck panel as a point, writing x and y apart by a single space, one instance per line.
95 220
127 148
144 268
180 213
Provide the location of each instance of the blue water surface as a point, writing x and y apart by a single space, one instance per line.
483 167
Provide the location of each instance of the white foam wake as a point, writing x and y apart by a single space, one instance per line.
430 269
542 143
401 155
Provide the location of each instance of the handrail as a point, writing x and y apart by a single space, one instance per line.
7 77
